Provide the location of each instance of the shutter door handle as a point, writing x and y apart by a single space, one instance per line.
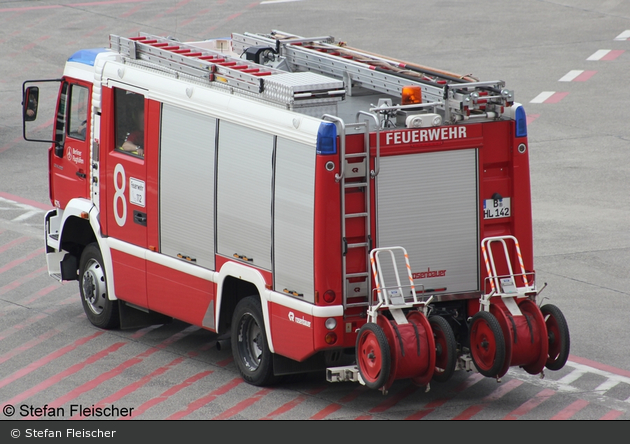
140 218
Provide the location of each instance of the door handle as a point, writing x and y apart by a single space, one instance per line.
243 258
140 218
81 174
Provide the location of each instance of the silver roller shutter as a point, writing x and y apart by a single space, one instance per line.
428 204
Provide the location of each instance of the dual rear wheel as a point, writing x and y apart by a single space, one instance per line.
249 343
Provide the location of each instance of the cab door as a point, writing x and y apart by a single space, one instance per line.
69 157
125 197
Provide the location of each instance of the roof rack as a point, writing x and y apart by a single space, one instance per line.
275 85
459 96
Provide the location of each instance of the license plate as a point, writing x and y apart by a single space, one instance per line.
497 208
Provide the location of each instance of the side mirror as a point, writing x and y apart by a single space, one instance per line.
31 105
31 99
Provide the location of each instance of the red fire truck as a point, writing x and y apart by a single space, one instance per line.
315 205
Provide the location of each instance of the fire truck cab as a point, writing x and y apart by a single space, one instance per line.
315 205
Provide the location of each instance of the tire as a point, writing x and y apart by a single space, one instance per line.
445 349
100 310
558 335
373 356
487 344
249 343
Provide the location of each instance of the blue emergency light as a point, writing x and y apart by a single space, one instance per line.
327 138
521 122
86 56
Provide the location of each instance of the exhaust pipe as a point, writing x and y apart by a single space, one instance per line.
223 343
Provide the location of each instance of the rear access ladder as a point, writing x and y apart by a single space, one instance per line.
355 175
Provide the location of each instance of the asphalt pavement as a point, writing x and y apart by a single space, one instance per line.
567 62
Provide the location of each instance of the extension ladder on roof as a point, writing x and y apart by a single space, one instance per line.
246 76
456 95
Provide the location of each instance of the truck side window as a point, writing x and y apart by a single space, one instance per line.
78 115
129 121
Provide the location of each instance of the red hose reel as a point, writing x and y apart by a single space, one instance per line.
509 330
400 348
388 351
505 337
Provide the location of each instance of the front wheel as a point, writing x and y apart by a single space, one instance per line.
100 310
249 343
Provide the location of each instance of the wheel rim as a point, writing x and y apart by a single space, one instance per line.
250 342
487 344
370 356
94 287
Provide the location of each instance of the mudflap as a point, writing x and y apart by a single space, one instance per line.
69 268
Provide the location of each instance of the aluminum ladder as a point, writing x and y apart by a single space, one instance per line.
456 95
355 175
210 66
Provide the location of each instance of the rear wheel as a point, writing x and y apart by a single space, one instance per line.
100 310
249 343
445 349
487 344
558 336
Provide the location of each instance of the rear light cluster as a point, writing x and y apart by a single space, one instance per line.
331 336
329 296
